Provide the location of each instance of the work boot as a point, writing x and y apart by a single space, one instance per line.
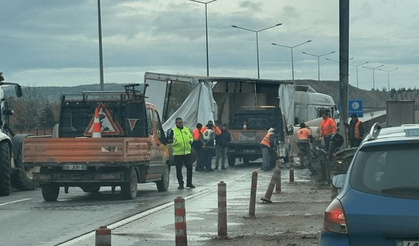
191 186
180 186
223 168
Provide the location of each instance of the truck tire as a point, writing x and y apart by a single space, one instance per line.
231 160
4 169
129 189
163 184
50 192
22 177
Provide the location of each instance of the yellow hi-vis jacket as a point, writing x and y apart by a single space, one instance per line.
182 140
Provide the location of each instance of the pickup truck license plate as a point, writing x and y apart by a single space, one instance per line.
408 243
74 167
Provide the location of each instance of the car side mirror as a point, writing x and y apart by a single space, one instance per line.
169 136
338 180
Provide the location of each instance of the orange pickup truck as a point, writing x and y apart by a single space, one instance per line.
128 148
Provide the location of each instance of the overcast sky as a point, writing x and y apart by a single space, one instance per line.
55 42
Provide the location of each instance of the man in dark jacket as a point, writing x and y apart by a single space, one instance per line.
221 146
355 131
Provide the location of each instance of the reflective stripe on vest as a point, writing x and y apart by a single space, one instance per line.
265 140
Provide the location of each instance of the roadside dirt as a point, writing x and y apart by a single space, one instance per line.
295 217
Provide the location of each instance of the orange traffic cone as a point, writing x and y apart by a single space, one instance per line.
244 126
96 125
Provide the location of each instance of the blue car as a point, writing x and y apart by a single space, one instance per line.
378 202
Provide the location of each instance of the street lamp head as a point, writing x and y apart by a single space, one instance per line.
308 41
278 24
234 26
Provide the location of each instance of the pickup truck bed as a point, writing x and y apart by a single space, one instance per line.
40 151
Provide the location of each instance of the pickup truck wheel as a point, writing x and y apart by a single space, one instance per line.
231 160
50 192
163 184
129 189
4 169
22 177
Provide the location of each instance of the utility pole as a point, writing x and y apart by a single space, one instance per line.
343 64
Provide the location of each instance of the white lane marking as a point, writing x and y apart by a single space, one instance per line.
22 200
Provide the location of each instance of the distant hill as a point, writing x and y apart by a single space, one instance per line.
53 93
372 99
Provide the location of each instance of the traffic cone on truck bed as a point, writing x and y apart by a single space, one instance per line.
96 125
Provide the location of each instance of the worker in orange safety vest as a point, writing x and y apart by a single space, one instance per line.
267 145
327 129
355 131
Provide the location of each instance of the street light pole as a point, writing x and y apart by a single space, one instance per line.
292 53
318 61
388 76
102 86
356 66
257 40
373 76
206 28
336 60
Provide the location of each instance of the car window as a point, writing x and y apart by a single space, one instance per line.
390 170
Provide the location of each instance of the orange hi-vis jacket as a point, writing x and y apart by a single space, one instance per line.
265 141
327 127
303 134
356 129
215 128
196 134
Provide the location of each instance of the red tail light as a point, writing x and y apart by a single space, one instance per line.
334 218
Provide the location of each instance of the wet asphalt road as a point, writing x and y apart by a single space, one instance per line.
26 219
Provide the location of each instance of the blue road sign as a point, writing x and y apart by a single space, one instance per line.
356 106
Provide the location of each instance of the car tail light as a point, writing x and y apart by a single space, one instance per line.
334 218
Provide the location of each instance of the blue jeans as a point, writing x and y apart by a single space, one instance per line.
266 158
207 158
220 153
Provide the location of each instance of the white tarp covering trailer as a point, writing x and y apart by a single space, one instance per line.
228 100
213 98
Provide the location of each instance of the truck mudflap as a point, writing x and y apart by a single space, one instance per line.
78 177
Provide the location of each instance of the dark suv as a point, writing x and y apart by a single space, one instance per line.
379 198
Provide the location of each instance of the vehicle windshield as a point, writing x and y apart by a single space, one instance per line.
390 170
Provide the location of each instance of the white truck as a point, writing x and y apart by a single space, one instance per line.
260 103
12 170
400 112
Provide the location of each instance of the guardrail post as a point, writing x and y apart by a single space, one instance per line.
278 182
180 222
222 210
253 193
292 164
274 180
103 236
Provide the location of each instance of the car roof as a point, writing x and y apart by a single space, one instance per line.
378 135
